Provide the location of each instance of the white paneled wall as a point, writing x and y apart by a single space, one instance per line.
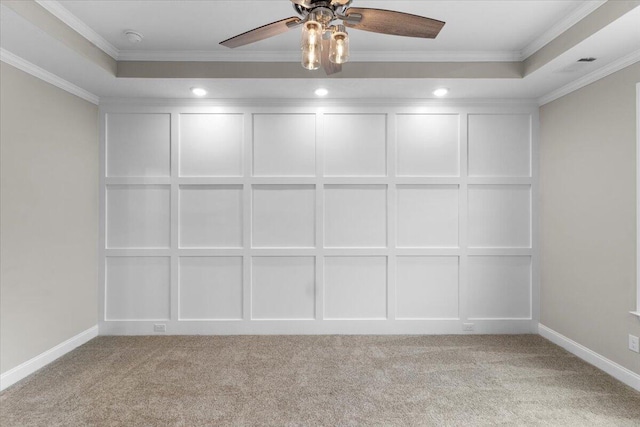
319 219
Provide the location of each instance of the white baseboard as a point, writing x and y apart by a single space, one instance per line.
319 327
619 372
27 368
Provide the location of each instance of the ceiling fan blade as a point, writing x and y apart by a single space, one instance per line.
262 33
392 22
329 67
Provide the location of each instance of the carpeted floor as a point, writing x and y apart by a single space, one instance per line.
319 381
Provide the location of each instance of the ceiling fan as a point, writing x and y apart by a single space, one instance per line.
327 44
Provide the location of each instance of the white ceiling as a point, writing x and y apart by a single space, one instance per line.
187 29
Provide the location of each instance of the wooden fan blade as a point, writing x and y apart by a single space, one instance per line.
394 23
262 33
329 67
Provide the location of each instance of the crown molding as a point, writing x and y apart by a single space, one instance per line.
436 56
207 56
596 75
109 102
26 66
560 27
63 14
294 56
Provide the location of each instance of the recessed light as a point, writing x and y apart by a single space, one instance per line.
441 91
321 92
198 91
133 36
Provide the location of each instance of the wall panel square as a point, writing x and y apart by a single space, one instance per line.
355 287
427 215
211 144
428 144
138 288
427 287
138 216
499 145
210 216
500 216
499 287
210 288
355 216
138 145
355 145
283 288
283 216
284 144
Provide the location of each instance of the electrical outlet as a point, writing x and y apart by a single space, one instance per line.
160 327
634 345
468 327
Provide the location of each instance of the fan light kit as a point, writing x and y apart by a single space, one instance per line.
327 43
441 91
198 91
321 92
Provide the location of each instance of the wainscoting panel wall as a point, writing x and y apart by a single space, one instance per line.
303 217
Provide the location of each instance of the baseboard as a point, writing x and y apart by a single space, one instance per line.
619 372
319 327
27 368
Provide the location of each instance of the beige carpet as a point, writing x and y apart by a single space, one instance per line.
319 381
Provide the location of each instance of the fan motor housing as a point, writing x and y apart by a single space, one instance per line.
303 8
323 15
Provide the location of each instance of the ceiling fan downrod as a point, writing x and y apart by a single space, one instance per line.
327 11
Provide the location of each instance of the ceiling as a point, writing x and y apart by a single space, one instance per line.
506 27
477 33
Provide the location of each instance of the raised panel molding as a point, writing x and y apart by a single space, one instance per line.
499 145
283 216
211 145
283 288
428 145
138 216
138 145
137 288
355 216
355 288
318 220
499 216
427 287
355 145
499 287
210 216
284 145
210 288
427 216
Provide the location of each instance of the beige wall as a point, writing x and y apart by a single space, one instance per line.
588 215
49 216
